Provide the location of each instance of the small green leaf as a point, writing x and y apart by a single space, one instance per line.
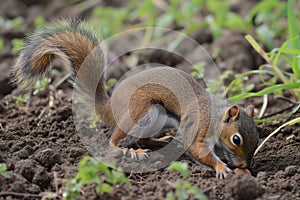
261 8
164 20
90 171
17 44
170 196
39 22
181 167
40 85
266 35
181 193
2 45
110 82
17 23
55 72
198 193
119 177
249 87
103 188
22 99
93 120
235 22
3 169
214 27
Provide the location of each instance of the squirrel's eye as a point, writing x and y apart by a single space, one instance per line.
236 139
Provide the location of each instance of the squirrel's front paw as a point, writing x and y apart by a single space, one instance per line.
222 171
242 171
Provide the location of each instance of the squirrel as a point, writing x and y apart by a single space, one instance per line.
224 136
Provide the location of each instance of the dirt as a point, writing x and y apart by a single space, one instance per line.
41 147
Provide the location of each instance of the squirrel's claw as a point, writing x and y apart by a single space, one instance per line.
222 171
139 154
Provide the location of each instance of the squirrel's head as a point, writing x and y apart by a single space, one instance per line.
239 137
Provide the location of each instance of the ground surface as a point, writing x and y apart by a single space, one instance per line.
40 145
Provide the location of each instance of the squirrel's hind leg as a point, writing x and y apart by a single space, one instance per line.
142 132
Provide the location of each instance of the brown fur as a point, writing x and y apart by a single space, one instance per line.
78 51
201 116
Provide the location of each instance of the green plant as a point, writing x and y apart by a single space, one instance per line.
94 171
15 23
180 167
283 70
55 72
215 86
223 18
278 62
290 80
2 44
198 70
183 190
17 44
110 82
93 120
104 16
183 14
3 169
21 99
39 22
267 18
40 85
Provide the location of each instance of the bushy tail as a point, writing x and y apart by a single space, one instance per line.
78 48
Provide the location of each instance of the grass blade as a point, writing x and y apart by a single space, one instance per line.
292 24
267 90
261 52
289 123
294 32
257 48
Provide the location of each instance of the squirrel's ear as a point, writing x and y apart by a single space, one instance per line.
232 114
250 110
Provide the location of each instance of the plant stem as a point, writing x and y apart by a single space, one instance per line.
291 122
